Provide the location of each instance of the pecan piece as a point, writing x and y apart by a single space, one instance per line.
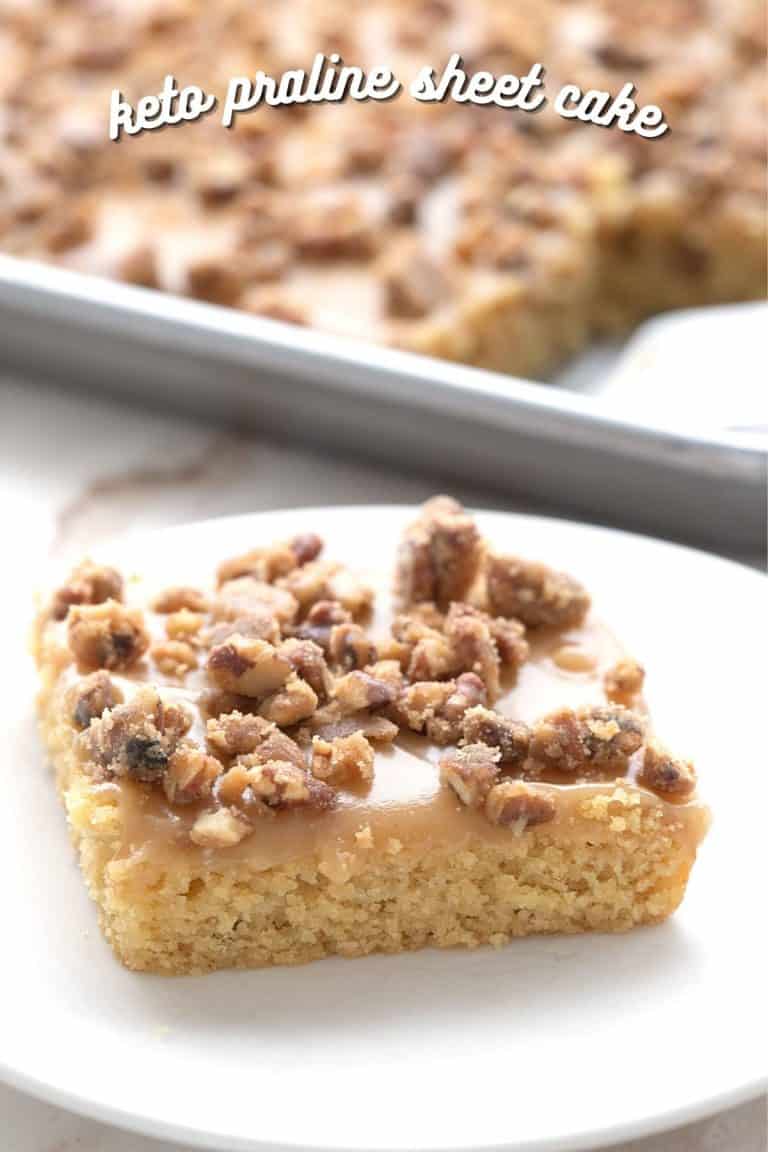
184 625
136 739
107 635
174 657
190 775
87 584
335 231
624 681
263 564
358 691
308 661
600 738
254 598
91 697
350 647
257 626
219 829
473 645
179 598
236 734
343 758
280 784
533 593
439 555
512 801
421 702
248 666
666 775
445 726
215 279
471 772
512 738
322 617
330 722
294 702
413 284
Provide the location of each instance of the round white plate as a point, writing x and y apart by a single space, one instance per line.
549 1043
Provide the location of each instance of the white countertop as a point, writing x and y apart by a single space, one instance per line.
74 469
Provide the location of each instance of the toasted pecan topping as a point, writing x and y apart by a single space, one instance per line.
306 546
473 645
254 598
335 231
215 279
136 739
219 829
439 555
511 644
91 696
350 647
291 704
87 584
277 784
600 738
180 598
190 775
421 702
533 593
343 759
235 734
512 801
359 690
174 657
320 620
263 564
107 635
248 666
433 656
662 773
471 772
413 283
445 726
483 726
330 721
308 661
184 625
624 681
259 625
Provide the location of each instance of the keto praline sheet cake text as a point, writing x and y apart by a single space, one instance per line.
277 761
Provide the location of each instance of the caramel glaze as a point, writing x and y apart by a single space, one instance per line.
406 808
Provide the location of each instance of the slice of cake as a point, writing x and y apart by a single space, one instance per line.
272 765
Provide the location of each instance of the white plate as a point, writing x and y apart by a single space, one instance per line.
550 1043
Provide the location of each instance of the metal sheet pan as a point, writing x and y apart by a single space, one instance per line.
568 450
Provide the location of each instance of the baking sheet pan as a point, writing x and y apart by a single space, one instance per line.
571 449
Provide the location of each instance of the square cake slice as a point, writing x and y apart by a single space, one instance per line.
269 764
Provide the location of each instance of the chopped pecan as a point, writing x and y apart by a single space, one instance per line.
600 738
236 733
257 626
136 739
322 617
280 784
471 772
343 758
138 265
91 696
264 564
180 598
473 645
413 284
248 666
174 657
624 681
330 721
420 702
107 635
254 598
220 829
511 644
292 703
439 555
666 775
512 801
190 775
339 230
433 657
184 625
533 593
215 279
87 584
350 647
306 546
445 726
358 691
483 726
308 661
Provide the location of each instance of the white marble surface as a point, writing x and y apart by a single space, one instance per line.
74 469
